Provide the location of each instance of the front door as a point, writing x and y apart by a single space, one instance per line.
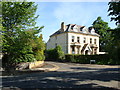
86 52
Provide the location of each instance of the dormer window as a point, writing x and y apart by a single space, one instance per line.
75 28
92 31
84 30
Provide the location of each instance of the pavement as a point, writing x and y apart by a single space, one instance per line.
66 75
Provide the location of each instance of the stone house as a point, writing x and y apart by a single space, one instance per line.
75 39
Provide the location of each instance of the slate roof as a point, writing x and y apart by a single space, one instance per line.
80 29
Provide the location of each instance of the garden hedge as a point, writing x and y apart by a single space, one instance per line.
85 59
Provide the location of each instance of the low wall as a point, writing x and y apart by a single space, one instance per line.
103 52
35 64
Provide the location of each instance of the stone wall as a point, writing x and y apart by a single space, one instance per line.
29 65
35 64
58 40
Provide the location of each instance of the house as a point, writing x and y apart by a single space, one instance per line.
75 39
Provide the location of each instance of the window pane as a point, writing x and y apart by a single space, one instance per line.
84 40
72 38
73 50
94 41
90 40
78 39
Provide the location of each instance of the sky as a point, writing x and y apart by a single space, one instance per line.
51 14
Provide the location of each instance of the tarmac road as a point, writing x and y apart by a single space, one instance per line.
69 75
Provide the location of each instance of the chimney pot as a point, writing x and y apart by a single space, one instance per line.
62 27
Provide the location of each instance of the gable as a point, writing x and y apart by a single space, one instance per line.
86 47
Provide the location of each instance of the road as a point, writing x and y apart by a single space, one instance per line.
69 75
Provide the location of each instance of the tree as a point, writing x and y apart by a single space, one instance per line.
38 48
59 53
19 32
114 50
114 11
101 28
20 14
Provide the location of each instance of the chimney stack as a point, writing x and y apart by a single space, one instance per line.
62 26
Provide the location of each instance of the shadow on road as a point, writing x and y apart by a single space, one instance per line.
87 79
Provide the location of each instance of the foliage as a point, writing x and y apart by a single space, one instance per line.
50 54
38 48
101 28
59 52
114 46
85 59
55 54
114 11
19 33
70 58
18 14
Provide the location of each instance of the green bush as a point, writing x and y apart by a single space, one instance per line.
69 57
50 54
16 59
38 47
39 55
24 58
55 54
85 59
59 53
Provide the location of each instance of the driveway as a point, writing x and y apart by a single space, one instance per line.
69 75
